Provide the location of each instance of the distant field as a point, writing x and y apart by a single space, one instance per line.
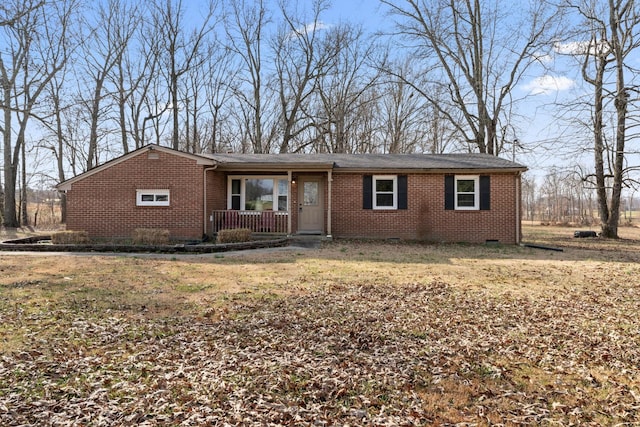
353 333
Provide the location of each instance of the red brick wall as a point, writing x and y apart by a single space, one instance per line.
104 204
216 194
426 218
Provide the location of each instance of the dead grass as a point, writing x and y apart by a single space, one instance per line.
355 332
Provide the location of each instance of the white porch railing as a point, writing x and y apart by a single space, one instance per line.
257 221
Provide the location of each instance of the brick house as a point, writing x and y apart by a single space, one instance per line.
442 198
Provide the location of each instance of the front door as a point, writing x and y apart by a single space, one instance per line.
310 205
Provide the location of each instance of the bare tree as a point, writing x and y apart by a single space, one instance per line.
139 73
58 143
208 88
10 14
563 197
182 52
194 104
404 127
476 52
300 56
245 26
108 38
124 86
529 197
36 50
219 89
612 28
345 87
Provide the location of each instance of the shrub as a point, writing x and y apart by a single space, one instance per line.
150 236
69 237
235 235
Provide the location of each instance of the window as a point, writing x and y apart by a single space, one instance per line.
467 193
152 197
310 193
385 192
258 193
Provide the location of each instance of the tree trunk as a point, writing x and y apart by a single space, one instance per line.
620 102
599 150
9 208
122 100
59 154
174 107
24 207
95 111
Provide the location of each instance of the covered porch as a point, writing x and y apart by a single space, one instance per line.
276 198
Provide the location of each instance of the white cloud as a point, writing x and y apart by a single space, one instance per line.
309 28
316 26
579 47
570 48
547 84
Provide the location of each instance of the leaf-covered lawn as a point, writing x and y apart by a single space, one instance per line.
361 341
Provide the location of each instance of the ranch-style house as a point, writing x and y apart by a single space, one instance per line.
431 197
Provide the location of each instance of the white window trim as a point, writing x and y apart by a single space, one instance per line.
243 193
375 193
155 193
476 193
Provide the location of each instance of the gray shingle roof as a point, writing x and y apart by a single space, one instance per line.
453 161
323 162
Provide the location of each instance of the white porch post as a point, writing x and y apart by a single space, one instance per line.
329 181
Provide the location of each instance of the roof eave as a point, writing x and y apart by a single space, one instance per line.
271 167
508 170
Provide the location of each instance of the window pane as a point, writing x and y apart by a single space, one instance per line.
235 202
146 197
384 200
283 187
311 193
466 200
282 203
466 185
283 191
235 186
384 185
162 197
258 194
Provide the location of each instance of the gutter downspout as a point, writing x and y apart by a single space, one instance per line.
329 191
204 198
518 183
289 205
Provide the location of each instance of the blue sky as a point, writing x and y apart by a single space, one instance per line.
366 12
541 87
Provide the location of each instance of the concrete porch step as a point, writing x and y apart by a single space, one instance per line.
307 240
